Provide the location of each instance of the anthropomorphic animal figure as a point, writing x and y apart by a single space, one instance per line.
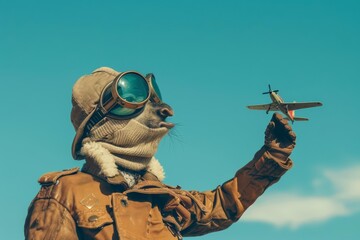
119 193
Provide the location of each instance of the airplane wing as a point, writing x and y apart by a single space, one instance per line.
270 107
294 106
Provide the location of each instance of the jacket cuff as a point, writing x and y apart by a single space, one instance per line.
267 165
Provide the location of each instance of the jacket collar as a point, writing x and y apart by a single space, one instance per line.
118 180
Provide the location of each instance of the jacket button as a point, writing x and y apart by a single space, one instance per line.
93 218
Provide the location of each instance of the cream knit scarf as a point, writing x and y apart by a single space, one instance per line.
125 143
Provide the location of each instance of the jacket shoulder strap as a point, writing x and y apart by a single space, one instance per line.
51 177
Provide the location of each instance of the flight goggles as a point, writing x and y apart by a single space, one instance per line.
125 96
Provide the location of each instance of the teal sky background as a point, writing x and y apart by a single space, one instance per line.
211 59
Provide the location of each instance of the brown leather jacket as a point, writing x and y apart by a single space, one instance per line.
76 205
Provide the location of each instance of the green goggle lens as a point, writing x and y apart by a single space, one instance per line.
133 88
156 87
121 111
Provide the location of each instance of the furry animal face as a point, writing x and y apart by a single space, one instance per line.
154 115
129 143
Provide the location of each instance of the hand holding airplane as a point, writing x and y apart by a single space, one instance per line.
288 109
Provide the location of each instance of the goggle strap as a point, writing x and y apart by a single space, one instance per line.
95 118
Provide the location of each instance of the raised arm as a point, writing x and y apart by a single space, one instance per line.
203 212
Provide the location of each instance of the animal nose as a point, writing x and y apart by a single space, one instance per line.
165 110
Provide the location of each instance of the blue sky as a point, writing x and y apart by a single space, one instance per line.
211 59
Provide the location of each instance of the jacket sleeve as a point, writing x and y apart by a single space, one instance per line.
219 208
48 219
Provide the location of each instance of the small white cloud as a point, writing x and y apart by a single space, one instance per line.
291 210
294 210
346 182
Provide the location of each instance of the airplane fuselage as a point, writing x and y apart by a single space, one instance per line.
277 100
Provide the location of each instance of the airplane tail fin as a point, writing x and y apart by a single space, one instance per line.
292 114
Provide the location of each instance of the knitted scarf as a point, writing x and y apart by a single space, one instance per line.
123 143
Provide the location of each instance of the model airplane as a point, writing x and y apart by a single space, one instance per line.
288 109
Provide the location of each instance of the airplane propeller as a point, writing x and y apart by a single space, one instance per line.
270 91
